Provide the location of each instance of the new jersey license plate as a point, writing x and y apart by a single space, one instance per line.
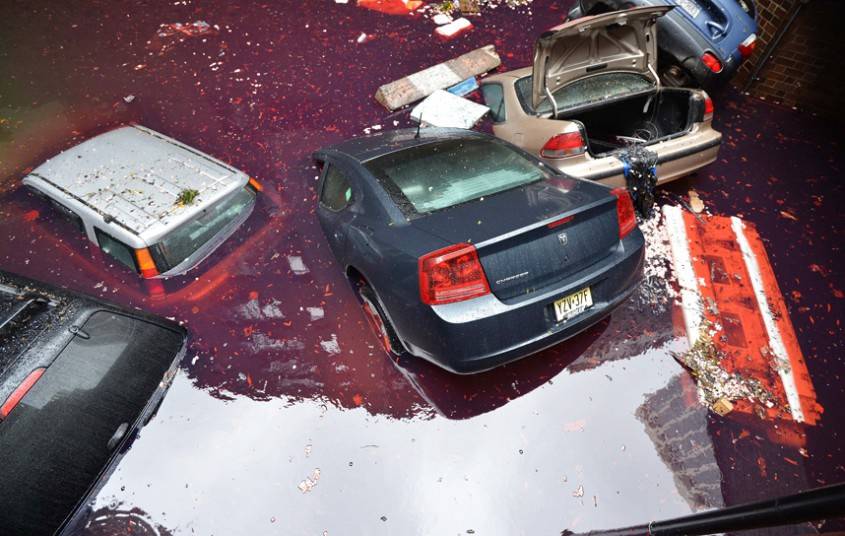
690 7
573 305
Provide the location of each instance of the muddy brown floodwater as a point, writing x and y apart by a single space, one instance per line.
286 417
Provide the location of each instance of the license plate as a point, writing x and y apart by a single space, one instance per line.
690 7
573 304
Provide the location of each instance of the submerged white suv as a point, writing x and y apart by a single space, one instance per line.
154 204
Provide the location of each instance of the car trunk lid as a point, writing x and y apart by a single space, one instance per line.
616 41
562 227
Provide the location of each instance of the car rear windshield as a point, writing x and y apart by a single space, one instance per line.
180 244
586 91
58 439
447 173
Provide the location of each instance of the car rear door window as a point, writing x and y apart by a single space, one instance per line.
116 248
337 193
495 100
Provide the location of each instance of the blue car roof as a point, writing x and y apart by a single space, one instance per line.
366 148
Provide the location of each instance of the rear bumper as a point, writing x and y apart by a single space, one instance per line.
675 158
484 333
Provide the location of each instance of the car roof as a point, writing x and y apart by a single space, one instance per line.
368 147
130 179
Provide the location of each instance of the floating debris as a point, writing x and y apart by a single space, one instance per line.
331 346
296 265
443 109
695 202
578 492
310 481
423 83
453 29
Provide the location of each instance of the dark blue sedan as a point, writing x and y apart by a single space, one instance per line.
470 252
701 42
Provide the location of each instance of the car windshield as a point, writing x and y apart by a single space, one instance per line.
190 237
585 91
447 173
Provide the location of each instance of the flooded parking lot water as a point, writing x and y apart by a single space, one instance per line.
286 416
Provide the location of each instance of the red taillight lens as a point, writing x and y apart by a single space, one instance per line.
746 48
20 392
146 264
708 108
563 145
558 223
624 212
712 62
452 274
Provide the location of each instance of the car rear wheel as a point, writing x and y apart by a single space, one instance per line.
378 320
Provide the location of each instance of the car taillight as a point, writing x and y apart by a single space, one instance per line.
558 223
146 264
563 145
746 48
708 108
20 392
452 274
711 61
255 185
624 211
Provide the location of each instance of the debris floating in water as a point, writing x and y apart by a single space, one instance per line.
296 265
310 481
331 346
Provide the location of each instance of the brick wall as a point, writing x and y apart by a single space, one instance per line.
805 70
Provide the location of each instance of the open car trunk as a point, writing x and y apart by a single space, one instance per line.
640 119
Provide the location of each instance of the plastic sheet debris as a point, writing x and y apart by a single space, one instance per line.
297 266
464 88
640 170
442 109
441 76
391 7
454 29
331 346
743 345
316 313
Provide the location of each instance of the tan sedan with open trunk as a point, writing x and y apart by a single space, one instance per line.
593 91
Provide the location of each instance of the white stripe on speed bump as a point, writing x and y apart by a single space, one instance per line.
682 264
784 367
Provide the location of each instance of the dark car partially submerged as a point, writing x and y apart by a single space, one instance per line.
470 252
78 377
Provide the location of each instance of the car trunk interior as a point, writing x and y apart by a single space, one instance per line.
643 118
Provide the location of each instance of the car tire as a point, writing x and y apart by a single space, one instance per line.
378 321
